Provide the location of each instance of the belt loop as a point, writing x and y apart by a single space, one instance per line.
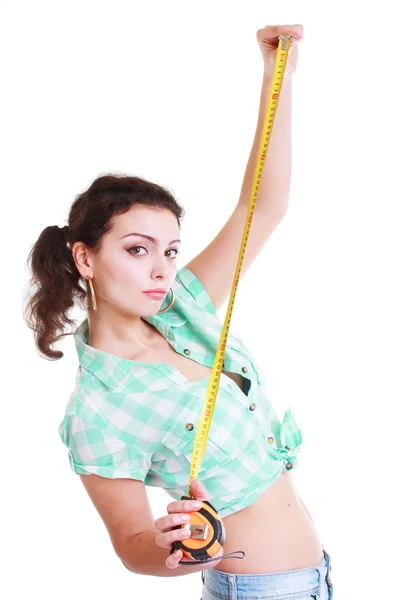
328 563
321 578
326 554
232 586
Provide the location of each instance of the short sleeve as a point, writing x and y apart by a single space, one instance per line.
196 289
94 449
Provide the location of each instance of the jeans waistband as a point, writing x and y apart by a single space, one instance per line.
233 584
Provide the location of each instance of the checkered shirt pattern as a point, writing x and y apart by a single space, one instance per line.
138 420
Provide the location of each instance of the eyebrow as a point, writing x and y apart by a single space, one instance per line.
148 237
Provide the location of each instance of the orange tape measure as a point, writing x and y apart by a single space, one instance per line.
207 529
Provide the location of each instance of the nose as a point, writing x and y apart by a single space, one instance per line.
161 267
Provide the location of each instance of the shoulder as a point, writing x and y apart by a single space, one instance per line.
186 283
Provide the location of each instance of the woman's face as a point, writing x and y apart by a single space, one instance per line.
129 264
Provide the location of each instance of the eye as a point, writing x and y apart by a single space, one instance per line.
174 250
131 250
134 248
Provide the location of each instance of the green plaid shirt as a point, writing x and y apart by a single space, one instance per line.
138 420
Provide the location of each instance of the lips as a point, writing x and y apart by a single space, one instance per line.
157 295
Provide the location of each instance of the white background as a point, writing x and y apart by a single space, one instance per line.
170 91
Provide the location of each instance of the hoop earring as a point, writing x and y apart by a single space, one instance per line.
94 303
170 304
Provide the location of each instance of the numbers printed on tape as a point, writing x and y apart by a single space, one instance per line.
209 403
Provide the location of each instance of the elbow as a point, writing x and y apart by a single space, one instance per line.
129 568
126 566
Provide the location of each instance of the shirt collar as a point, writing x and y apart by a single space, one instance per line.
112 370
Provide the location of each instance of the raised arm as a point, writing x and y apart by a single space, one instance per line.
215 265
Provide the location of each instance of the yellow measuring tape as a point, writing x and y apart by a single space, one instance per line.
207 528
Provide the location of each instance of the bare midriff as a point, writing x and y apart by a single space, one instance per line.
275 531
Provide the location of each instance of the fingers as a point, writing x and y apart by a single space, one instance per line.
199 494
287 29
172 526
199 490
273 31
184 506
166 522
179 509
175 516
172 561
165 540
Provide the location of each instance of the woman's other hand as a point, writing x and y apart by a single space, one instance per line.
179 514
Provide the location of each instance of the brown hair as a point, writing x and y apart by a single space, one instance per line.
56 282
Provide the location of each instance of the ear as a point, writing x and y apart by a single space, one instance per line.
82 259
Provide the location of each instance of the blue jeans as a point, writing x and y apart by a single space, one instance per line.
313 583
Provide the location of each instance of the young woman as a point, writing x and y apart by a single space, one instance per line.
145 360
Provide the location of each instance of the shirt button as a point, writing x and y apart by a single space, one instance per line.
270 440
189 426
289 465
252 406
244 369
186 351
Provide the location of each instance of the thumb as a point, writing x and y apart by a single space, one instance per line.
198 490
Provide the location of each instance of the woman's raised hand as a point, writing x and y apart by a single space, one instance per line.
268 40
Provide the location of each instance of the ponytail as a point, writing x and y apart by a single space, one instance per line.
53 288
